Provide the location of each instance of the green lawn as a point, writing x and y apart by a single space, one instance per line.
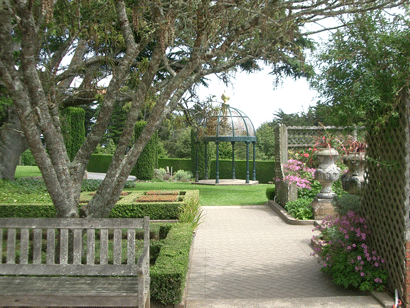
27 172
209 194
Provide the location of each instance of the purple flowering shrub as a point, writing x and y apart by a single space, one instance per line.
346 255
296 172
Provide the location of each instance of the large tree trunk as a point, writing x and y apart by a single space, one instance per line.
12 144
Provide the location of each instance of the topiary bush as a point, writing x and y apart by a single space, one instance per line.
144 169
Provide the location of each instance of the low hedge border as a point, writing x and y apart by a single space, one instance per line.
168 275
126 207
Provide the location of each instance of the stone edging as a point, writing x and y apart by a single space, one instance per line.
286 217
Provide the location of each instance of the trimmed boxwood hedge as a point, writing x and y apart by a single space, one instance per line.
168 275
125 208
265 170
27 210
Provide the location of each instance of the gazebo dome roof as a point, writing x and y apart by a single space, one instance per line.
230 124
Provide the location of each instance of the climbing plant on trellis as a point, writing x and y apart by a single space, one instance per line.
385 200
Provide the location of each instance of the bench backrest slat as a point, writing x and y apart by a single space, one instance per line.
37 246
130 245
51 245
78 246
104 246
24 241
71 246
63 246
11 246
72 223
90 246
117 246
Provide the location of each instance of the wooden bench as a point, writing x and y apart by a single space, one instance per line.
73 262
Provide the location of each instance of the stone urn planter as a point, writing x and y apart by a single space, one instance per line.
353 180
327 172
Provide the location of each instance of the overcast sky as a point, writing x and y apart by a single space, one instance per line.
254 94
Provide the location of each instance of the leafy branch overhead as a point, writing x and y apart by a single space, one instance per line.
56 54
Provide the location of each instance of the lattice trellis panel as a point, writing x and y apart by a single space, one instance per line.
304 137
385 198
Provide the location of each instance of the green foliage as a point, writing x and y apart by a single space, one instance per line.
159 174
73 129
191 211
92 185
300 208
99 163
144 169
168 275
27 158
265 135
199 148
28 210
175 163
270 192
346 203
363 67
27 191
265 170
183 176
347 257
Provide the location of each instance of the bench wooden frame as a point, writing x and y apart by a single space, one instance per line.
63 279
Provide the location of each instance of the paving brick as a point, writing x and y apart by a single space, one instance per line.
248 252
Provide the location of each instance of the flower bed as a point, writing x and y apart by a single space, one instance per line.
347 257
162 192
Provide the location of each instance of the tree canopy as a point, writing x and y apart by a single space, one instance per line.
363 67
56 54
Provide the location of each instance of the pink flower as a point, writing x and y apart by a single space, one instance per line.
359 257
361 274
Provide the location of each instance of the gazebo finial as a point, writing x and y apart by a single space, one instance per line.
224 98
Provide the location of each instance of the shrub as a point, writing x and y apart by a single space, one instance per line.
27 158
183 176
270 192
300 208
159 173
191 211
296 172
144 169
345 203
168 275
346 255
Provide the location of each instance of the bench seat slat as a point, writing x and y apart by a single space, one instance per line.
68 291
69 269
64 285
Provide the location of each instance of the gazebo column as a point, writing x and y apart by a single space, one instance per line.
217 163
206 160
233 160
247 162
254 161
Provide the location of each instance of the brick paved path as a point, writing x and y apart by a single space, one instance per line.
249 257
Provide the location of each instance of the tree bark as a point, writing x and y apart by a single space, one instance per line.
12 144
